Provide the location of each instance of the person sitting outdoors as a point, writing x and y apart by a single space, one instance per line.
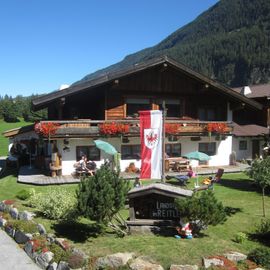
84 166
184 178
90 166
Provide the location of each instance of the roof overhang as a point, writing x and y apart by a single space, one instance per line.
45 100
249 130
16 131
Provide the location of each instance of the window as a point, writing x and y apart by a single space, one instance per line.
173 150
208 148
173 106
92 152
206 114
242 145
135 105
131 151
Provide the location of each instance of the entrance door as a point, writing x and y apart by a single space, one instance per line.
255 149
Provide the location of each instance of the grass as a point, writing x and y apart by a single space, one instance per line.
6 126
235 191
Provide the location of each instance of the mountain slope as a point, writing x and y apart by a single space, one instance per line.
229 42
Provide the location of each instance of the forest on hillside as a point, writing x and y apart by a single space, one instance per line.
230 42
11 109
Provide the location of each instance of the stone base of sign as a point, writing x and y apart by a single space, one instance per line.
141 226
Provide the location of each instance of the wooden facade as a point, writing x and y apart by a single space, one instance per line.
111 101
120 95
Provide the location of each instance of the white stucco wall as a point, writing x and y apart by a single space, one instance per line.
245 154
69 157
223 149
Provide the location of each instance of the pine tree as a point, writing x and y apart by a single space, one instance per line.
100 197
201 210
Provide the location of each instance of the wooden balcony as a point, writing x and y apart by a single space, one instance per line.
101 128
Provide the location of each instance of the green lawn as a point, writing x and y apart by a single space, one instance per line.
235 191
6 126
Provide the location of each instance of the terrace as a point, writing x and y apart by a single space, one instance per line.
131 127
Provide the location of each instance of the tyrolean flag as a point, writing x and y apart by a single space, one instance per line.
151 144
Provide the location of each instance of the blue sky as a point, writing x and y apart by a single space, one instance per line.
46 43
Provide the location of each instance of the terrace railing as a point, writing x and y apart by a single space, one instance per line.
131 127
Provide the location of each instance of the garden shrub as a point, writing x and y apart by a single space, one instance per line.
240 237
76 261
264 227
59 253
34 200
26 226
5 215
260 256
40 244
54 204
25 194
100 197
201 210
246 265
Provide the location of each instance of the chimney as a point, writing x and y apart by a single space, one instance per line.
63 86
245 91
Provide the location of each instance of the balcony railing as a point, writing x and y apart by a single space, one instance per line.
131 127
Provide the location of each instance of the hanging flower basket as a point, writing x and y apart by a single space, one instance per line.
46 129
219 128
172 129
113 128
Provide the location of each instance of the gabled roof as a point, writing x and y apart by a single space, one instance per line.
257 91
44 100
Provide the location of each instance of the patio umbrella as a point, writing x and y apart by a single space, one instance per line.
196 155
106 147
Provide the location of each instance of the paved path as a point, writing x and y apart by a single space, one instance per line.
12 257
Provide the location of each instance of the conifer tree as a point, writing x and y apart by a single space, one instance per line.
100 197
201 210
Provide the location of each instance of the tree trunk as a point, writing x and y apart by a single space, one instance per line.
263 202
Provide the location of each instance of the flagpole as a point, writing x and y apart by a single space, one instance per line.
163 141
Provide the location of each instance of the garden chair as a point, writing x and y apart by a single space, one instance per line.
218 175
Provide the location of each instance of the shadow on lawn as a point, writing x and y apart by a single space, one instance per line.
241 184
263 238
9 171
76 231
232 210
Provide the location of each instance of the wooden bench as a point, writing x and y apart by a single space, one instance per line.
176 164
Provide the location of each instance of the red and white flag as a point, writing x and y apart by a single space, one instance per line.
151 144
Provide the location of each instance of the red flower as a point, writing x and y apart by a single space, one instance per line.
172 128
44 250
39 245
216 127
9 202
46 129
113 128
